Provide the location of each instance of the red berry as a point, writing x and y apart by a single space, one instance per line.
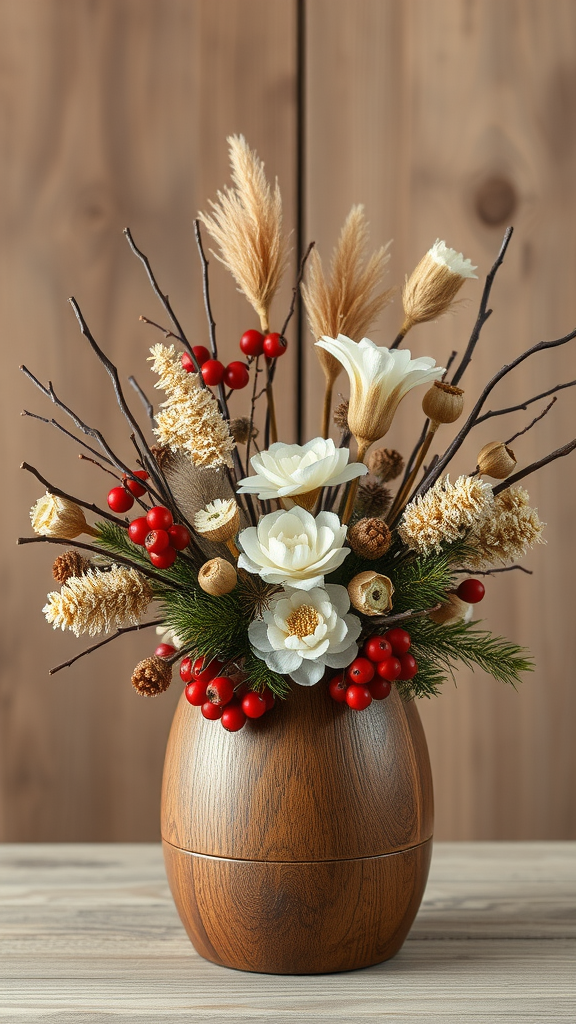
377 648
337 687
253 705
186 670
120 500
361 671
213 372
269 698
399 640
164 650
156 542
195 693
179 537
252 343
164 559
358 697
138 530
379 688
274 346
408 668
159 518
389 669
220 690
236 375
212 711
206 675
202 355
136 489
471 591
233 717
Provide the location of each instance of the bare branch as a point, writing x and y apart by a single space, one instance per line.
165 331
492 572
159 293
558 454
102 643
63 542
86 458
451 359
54 423
524 405
404 616
530 425
143 398
70 497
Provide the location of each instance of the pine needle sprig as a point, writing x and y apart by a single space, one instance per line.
426 683
114 539
462 641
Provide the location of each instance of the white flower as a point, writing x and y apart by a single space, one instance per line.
294 547
302 633
379 379
287 470
53 516
455 261
219 520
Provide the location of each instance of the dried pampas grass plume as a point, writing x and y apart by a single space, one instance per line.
246 223
99 602
507 534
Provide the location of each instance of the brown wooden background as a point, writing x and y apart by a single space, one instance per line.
447 118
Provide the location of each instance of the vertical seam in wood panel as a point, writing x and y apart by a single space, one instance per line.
300 203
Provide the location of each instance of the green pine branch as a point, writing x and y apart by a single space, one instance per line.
115 539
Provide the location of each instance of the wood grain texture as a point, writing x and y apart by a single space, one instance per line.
308 782
447 118
90 932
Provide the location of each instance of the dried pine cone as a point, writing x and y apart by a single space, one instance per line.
372 498
340 415
370 538
71 563
152 676
385 463
239 428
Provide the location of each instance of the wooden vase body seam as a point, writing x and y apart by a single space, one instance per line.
300 844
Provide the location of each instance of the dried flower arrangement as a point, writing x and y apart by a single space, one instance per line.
307 568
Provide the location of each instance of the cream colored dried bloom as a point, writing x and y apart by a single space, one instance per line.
53 516
434 283
100 602
508 532
190 419
219 520
246 222
445 513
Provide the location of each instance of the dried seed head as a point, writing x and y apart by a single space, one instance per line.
455 610
443 403
152 676
217 577
370 538
385 463
99 602
434 284
219 521
53 516
71 563
496 459
240 429
340 416
372 498
371 593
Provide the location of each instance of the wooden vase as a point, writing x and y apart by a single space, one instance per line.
300 844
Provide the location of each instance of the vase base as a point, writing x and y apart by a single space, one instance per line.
310 917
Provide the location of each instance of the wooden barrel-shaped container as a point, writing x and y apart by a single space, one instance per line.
300 844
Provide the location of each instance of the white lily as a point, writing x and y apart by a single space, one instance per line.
294 547
299 471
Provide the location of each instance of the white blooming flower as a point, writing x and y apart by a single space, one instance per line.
303 633
455 261
294 547
288 470
379 380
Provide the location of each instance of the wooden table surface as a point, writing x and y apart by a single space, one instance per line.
89 933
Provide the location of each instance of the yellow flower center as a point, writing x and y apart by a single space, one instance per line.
303 621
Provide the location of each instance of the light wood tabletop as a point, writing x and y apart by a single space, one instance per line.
89 933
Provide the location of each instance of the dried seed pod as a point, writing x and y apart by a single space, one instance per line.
240 429
71 563
372 498
496 459
371 593
217 577
385 463
152 676
219 521
53 516
443 403
455 610
370 538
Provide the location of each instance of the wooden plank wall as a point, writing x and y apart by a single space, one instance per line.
116 112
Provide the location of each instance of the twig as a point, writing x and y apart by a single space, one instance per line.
165 331
252 409
160 294
524 405
86 458
296 288
403 616
558 454
451 359
70 497
491 572
483 312
63 542
54 423
102 643
143 398
530 425
414 452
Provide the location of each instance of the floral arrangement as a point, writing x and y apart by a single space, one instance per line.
342 565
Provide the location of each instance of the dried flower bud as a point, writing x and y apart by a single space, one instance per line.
152 676
219 521
385 463
240 429
496 459
371 593
372 498
370 538
434 284
455 610
443 403
217 577
71 563
53 516
340 416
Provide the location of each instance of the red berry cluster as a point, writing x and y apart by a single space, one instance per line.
121 499
160 535
216 696
235 376
383 660
253 343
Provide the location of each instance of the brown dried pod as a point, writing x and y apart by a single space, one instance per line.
453 611
240 429
385 463
443 403
370 538
371 593
71 563
496 459
217 577
219 521
152 676
372 498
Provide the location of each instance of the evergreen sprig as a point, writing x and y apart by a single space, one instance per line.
115 539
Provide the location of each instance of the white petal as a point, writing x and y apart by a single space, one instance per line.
309 673
339 597
258 636
341 659
283 661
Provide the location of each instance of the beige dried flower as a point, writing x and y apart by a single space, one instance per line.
443 403
340 416
71 563
246 222
152 676
190 419
496 459
372 498
455 610
217 577
434 284
385 464
371 593
370 538
219 521
240 429
511 529
53 516
99 602
445 513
